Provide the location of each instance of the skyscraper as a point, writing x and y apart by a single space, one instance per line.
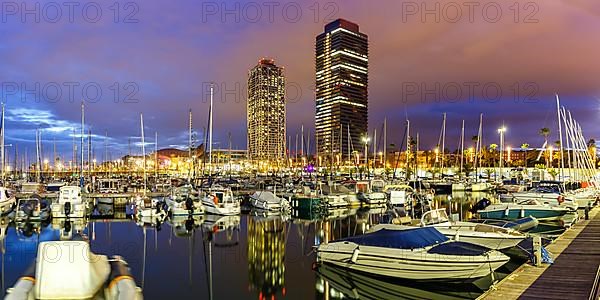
342 61
266 112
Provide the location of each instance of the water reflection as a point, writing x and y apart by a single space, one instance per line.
266 255
233 257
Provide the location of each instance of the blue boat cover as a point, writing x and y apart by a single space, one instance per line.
458 248
399 239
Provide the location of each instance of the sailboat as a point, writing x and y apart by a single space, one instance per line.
146 207
217 200
478 186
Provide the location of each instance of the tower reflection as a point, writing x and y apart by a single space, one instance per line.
266 255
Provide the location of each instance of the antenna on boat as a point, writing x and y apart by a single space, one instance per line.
562 161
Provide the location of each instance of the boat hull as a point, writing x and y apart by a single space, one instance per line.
409 264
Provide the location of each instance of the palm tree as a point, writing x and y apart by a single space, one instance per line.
545 132
492 158
524 148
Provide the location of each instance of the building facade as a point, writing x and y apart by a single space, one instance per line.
341 63
266 112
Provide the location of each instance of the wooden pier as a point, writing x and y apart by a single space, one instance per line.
573 275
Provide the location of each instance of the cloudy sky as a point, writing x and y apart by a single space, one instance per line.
426 58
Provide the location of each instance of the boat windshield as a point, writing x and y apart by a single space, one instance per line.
400 239
435 217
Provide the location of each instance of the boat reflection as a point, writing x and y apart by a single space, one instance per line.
266 255
68 228
338 283
219 232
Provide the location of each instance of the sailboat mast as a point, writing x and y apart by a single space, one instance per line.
156 154
210 130
143 150
562 159
443 144
82 134
2 144
462 146
384 142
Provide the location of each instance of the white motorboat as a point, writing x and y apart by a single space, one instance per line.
32 209
146 207
514 211
547 192
486 235
184 201
7 201
69 204
337 195
421 253
220 201
75 276
267 200
481 186
54 187
32 188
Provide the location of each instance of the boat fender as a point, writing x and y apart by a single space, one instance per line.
522 213
120 283
355 254
24 285
457 236
507 211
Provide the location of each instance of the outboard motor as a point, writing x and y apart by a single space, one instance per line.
189 204
189 224
67 208
67 226
481 205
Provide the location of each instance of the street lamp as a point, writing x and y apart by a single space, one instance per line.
501 131
366 141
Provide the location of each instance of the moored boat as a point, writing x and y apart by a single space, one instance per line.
411 253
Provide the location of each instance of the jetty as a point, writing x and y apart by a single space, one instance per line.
574 274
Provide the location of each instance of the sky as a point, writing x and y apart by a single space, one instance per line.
159 57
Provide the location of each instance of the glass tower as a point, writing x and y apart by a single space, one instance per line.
342 61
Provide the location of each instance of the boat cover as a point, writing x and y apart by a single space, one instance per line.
458 248
69 270
266 196
400 239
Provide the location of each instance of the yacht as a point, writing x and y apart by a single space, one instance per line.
184 201
533 208
69 204
421 253
485 235
266 200
220 201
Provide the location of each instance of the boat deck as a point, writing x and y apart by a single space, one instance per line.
572 276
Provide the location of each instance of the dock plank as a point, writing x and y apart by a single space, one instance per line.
576 260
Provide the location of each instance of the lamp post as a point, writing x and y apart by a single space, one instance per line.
366 141
501 131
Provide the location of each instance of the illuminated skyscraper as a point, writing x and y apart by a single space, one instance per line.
266 112
342 61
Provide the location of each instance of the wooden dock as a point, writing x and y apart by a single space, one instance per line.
573 275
